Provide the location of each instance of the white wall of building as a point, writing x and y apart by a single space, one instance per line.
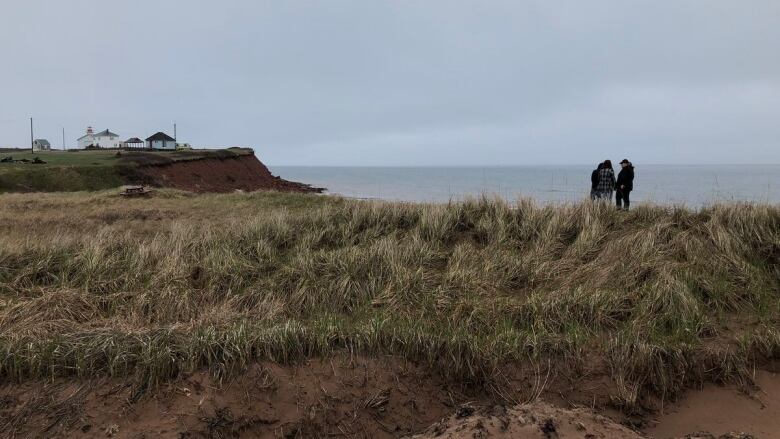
108 141
86 141
162 144
40 146
100 141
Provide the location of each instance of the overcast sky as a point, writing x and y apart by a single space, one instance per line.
367 82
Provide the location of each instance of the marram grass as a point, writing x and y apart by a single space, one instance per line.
91 284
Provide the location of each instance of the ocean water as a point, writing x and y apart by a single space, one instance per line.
694 185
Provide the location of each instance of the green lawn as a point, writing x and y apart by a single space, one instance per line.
110 157
60 158
87 170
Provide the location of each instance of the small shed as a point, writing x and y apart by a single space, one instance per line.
160 140
41 145
134 142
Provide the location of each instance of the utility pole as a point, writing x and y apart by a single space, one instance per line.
32 142
63 138
174 132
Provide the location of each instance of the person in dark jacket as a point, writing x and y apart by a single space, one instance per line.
594 181
606 184
624 185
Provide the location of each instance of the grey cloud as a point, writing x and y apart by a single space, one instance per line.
370 82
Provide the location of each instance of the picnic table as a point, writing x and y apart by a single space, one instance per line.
135 191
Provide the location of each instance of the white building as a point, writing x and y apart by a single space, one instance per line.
41 145
160 140
103 139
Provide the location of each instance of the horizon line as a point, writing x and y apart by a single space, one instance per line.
513 165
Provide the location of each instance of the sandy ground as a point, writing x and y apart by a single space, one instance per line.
719 410
364 398
536 420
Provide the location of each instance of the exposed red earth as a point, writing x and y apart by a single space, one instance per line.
360 397
215 174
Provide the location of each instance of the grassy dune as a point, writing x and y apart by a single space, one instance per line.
91 284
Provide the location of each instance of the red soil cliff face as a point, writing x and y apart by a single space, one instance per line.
216 175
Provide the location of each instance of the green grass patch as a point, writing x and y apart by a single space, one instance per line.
88 170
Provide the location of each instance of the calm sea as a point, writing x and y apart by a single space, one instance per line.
663 184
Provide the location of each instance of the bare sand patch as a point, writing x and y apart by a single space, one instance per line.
720 410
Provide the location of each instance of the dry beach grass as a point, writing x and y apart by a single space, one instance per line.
95 285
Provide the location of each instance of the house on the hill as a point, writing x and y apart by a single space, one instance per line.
103 139
135 143
161 140
41 145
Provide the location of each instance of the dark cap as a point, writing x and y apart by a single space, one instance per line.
625 161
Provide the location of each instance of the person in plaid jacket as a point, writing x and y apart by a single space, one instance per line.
594 182
606 184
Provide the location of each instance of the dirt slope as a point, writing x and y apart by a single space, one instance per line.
344 397
347 396
226 174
